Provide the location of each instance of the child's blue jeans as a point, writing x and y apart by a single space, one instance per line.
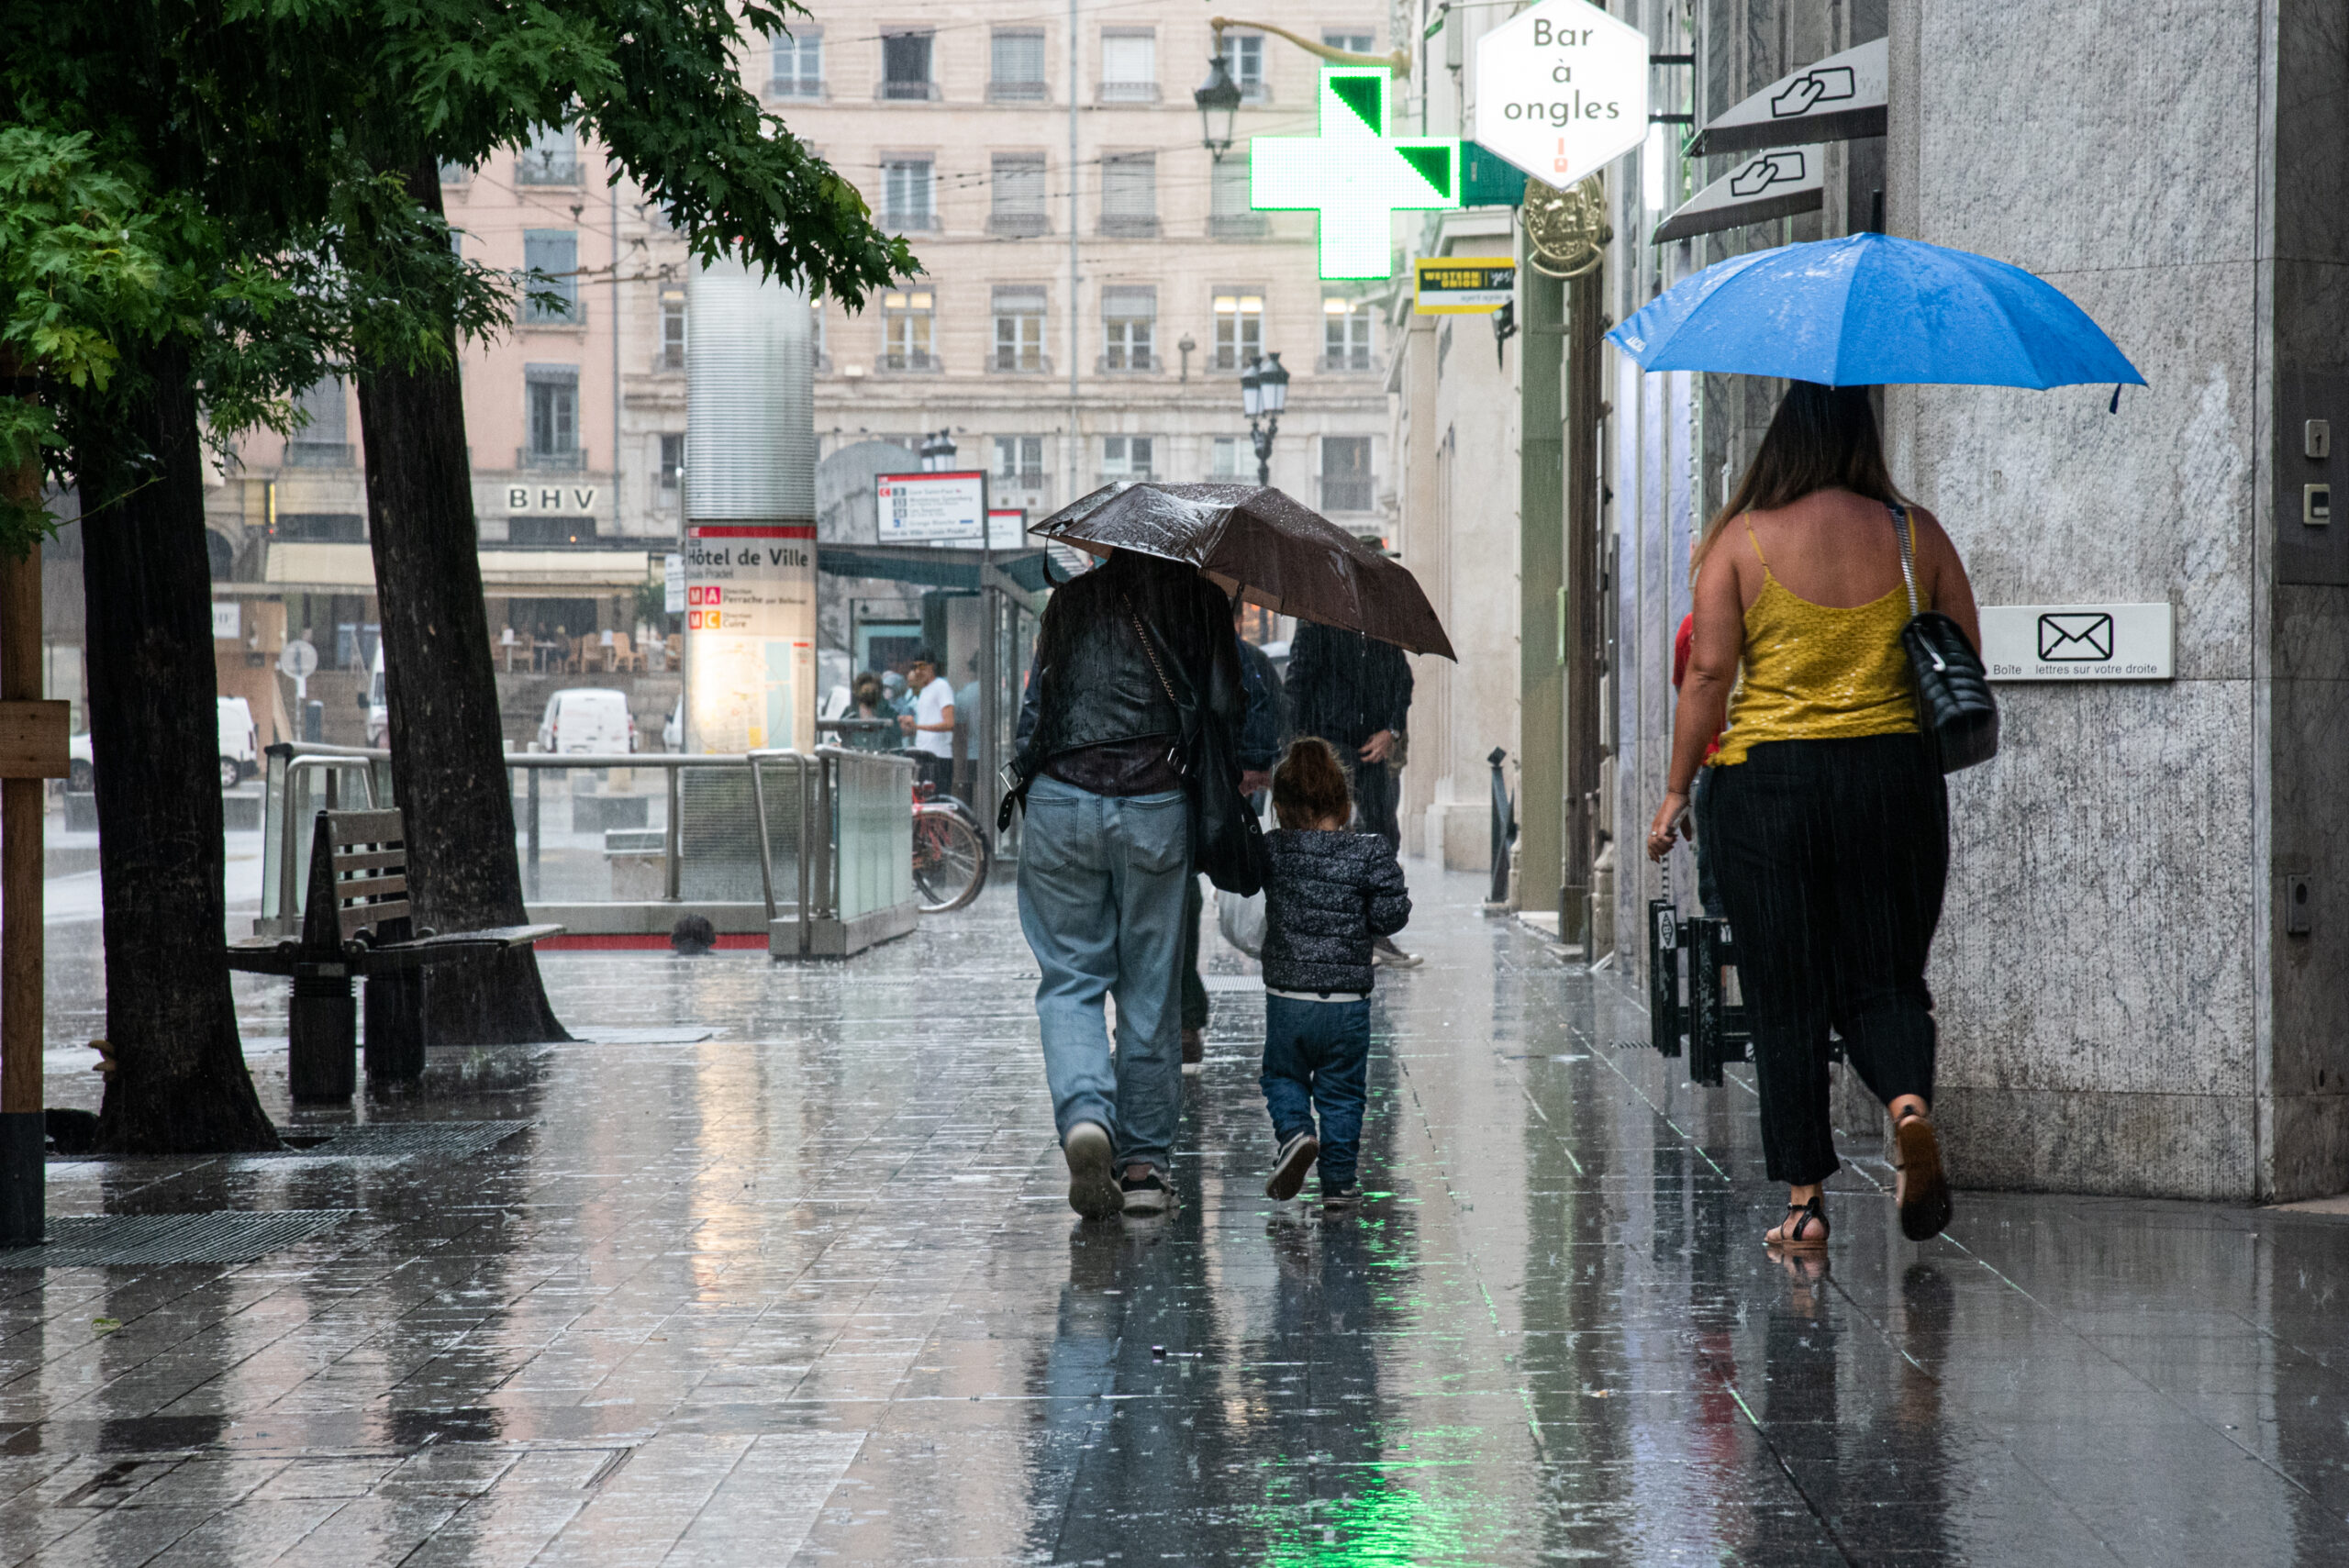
1317 1055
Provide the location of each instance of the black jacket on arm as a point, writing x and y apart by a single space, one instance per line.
1327 894
1093 683
1346 687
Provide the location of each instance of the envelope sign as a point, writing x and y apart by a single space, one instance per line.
2084 637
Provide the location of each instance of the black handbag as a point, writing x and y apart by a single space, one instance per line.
1227 840
1954 708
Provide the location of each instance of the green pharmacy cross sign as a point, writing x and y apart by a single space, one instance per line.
1354 174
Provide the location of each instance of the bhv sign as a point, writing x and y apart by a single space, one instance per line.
1561 90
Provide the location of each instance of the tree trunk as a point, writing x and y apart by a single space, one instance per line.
440 689
180 1085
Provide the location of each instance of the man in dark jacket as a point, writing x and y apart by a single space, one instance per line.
1105 854
1355 693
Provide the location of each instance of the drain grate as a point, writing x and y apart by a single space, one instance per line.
403 1140
120 1240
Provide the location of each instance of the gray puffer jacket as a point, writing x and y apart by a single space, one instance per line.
1328 894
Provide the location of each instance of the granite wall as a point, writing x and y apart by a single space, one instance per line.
2121 1011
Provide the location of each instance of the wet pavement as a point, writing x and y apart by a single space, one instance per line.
807 1290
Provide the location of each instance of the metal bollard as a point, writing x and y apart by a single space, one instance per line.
1664 947
1718 1029
322 1026
1504 829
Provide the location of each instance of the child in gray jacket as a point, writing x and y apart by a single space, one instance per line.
1330 891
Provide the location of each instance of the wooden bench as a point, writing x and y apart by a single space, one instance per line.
356 921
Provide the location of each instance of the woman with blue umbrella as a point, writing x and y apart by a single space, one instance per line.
1825 801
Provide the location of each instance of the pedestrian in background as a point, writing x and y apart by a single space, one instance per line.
1355 693
1332 894
1105 854
930 725
1260 741
1830 824
869 701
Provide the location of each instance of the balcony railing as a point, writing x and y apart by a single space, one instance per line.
1123 226
1237 226
1351 363
1346 493
1136 476
1129 92
571 462
910 222
1016 92
1013 361
806 89
1019 223
908 92
1133 363
547 169
915 363
300 453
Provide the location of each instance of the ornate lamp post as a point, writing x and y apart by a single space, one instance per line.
1264 393
937 453
1219 100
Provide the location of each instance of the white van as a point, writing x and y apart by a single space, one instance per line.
592 720
240 742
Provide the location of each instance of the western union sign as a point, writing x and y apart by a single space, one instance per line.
1463 285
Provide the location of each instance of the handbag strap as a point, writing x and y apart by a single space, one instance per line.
1907 553
1185 717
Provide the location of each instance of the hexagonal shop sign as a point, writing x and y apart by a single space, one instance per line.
1561 90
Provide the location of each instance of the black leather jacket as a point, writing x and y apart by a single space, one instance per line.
1093 683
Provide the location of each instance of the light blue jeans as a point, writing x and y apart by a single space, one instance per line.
1101 880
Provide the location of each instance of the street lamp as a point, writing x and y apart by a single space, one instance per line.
1218 101
1264 393
938 451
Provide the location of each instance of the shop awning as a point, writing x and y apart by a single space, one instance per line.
303 568
928 566
1838 99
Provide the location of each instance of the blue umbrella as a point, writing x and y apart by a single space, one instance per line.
1871 310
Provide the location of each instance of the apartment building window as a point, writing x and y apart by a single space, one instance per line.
1223 460
1017 181
906 184
673 329
551 158
818 340
1352 44
455 174
671 467
799 68
1345 473
550 415
1244 59
1017 56
1020 463
1126 457
1239 328
1229 215
1020 330
550 261
906 323
1130 194
905 66
1129 321
1345 334
531 530
1128 65
324 442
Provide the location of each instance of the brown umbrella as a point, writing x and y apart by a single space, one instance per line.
1265 546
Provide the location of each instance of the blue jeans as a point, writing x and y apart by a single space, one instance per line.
1317 1055
1101 900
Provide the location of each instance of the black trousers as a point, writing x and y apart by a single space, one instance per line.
1376 794
1832 856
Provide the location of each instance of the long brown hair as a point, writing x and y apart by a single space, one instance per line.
1310 787
1822 438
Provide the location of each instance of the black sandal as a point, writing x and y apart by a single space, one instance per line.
1921 1187
1796 1231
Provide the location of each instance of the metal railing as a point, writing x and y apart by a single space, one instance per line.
821 865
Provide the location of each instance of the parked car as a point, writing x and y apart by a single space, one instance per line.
593 719
240 750
379 712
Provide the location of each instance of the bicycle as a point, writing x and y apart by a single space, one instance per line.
951 856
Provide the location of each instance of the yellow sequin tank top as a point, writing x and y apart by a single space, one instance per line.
1818 673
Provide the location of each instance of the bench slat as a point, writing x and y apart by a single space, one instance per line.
359 887
365 916
498 936
366 827
369 860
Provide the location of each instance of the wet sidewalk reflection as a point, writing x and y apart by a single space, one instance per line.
808 1289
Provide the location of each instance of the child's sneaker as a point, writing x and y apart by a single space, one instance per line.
1340 1200
1295 1158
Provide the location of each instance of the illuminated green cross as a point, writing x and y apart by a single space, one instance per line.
1353 173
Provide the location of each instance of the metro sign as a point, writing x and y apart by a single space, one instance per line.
1354 174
